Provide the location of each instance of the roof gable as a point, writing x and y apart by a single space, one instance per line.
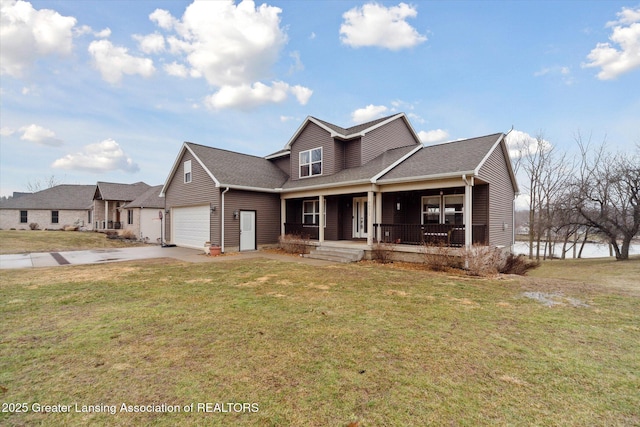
347 133
117 191
448 159
231 169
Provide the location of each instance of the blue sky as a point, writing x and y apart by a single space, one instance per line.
108 91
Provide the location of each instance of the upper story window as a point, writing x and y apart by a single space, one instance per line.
187 171
311 162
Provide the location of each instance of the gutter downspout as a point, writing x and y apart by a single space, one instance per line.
222 223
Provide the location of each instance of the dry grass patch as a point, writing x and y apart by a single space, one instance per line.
27 241
380 346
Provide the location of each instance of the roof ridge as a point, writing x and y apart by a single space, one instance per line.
462 140
226 150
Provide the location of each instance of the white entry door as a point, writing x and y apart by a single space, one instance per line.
248 231
360 213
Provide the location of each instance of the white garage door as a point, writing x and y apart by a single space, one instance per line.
191 226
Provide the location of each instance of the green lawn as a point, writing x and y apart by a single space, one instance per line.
318 346
27 241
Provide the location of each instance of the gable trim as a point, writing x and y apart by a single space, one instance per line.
185 147
505 155
382 173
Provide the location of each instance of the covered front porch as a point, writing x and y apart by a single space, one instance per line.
408 216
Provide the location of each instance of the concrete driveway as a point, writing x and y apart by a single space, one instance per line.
97 256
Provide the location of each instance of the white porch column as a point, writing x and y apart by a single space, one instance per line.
370 214
468 209
106 214
378 215
321 219
283 215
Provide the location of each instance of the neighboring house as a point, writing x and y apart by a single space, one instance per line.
52 208
108 201
371 182
144 215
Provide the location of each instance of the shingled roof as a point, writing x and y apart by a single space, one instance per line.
116 191
238 170
60 197
149 199
455 157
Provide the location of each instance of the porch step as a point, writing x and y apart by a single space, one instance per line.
336 254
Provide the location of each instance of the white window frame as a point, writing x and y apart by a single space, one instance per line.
442 207
315 213
188 176
310 163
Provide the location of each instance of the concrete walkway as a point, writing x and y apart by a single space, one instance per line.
98 256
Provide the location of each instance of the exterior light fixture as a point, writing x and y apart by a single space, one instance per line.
236 214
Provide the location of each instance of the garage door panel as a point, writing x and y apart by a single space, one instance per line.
191 226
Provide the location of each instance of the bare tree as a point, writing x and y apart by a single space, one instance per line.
606 194
37 185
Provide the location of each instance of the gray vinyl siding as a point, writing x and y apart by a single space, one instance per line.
501 195
201 190
480 209
284 163
267 208
393 135
313 136
352 156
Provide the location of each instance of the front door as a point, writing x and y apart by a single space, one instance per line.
248 231
360 213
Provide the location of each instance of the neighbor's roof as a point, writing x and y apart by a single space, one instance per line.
238 170
149 199
116 191
60 197
455 157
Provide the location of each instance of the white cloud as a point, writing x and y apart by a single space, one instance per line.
521 144
151 43
103 34
376 25
433 136
246 97
113 61
370 112
177 70
626 34
228 44
563 72
40 135
6 131
100 157
27 34
163 18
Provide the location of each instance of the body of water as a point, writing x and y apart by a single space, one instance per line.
591 250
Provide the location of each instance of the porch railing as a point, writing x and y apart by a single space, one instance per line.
437 234
108 225
306 231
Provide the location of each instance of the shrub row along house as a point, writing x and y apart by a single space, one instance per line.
367 183
101 207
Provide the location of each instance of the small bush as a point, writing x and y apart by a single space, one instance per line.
294 243
482 260
34 226
127 234
439 257
382 252
517 264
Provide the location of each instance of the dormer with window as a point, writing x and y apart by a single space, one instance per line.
311 162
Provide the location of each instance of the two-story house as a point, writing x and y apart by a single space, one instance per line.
368 183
